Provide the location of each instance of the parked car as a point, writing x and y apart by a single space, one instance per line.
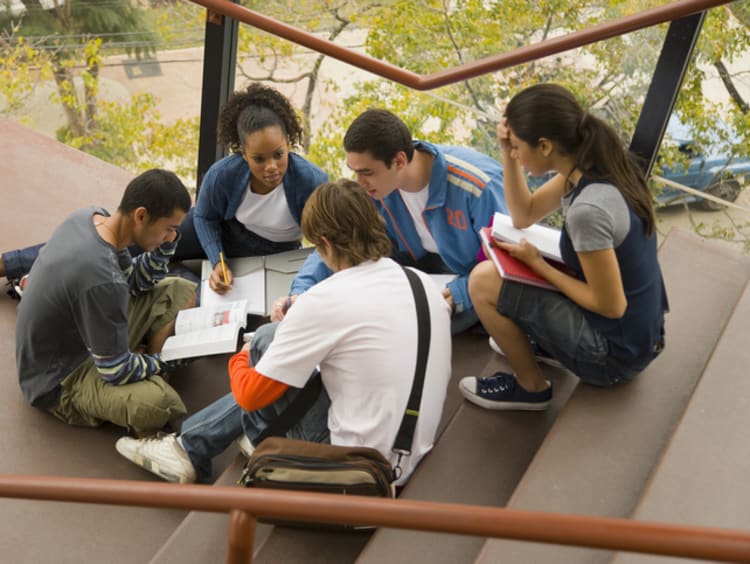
719 175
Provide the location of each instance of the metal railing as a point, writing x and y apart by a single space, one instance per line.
245 505
525 54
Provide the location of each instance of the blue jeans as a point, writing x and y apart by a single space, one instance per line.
18 262
210 431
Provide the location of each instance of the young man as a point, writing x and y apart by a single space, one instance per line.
93 319
366 350
434 199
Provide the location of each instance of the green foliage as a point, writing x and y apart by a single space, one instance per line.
133 137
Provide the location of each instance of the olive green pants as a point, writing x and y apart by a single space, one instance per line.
147 405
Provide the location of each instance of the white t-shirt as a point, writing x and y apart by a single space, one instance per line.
415 202
360 327
268 215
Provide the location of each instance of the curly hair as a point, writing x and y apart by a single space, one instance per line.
255 108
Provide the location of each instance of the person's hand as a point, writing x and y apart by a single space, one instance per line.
281 306
524 251
503 135
448 297
246 346
216 280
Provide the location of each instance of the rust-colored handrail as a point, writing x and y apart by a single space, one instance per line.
605 30
245 504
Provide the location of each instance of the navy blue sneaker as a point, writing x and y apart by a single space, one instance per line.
539 354
502 391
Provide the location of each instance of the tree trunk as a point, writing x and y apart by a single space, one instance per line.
66 90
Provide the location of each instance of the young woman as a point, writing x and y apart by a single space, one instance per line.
250 203
606 322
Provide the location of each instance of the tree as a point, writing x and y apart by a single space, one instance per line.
72 33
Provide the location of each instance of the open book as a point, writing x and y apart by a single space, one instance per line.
259 280
510 268
207 330
546 239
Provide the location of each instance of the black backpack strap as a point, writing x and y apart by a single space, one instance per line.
405 436
295 411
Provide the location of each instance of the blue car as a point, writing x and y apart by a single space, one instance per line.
718 175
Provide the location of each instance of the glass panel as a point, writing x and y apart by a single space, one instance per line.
707 144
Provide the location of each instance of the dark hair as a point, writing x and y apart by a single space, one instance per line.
161 192
345 215
253 109
551 112
380 133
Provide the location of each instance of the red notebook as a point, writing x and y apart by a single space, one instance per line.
511 268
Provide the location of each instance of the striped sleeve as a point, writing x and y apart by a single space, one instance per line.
127 367
149 268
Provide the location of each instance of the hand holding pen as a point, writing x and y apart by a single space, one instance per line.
221 278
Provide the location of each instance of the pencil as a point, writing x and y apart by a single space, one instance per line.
223 267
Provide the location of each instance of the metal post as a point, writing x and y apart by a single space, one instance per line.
669 73
219 63
241 535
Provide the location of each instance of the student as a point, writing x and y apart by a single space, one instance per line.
365 348
87 340
434 199
249 202
606 323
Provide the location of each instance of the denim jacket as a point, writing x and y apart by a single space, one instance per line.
224 187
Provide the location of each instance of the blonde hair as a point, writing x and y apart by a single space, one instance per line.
344 214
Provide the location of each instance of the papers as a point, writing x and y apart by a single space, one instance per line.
546 239
259 280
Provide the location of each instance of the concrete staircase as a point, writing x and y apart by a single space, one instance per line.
668 447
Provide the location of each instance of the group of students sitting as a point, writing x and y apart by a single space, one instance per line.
88 343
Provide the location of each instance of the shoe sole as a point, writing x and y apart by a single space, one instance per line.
501 405
549 361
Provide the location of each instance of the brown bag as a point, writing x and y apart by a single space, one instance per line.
288 464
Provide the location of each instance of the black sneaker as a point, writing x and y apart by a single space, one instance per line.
17 286
502 391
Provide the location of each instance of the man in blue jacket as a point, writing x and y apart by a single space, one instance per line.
434 199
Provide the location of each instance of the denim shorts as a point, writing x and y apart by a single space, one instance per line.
560 327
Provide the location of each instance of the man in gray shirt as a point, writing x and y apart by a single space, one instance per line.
93 319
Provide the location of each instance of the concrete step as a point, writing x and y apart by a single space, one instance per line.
603 447
702 476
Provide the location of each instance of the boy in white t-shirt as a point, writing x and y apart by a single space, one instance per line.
358 326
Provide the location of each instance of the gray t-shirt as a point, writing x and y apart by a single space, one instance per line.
597 219
75 305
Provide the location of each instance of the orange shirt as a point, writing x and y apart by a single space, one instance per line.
251 389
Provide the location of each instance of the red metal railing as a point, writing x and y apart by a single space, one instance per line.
552 46
244 505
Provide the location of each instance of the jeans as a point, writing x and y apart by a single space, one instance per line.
210 431
18 262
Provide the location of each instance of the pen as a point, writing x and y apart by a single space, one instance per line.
223 266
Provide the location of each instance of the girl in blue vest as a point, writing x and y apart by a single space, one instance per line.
606 321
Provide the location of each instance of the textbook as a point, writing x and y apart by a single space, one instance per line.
207 330
546 239
510 268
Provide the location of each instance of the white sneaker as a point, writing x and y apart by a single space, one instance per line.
538 355
245 446
161 455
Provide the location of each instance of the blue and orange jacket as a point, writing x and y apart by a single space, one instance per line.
465 190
